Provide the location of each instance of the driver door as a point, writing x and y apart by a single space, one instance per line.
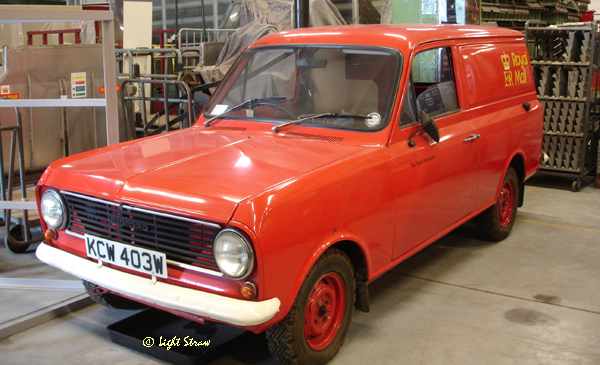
436 183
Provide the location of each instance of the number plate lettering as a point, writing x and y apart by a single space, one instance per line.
127 256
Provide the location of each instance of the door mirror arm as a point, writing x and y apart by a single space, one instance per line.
429 126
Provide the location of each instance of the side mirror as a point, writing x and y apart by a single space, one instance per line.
429 126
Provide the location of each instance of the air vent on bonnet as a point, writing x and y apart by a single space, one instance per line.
313 137
226 129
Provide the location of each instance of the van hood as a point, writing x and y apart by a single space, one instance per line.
193 171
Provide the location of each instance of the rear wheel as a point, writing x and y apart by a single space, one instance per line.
496 222
105 298
317 325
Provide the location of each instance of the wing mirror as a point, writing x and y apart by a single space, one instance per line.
429 126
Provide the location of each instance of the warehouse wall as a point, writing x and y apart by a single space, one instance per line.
595 5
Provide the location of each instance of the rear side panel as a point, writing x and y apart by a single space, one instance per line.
495 71
499 81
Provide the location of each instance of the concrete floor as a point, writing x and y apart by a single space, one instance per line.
532 299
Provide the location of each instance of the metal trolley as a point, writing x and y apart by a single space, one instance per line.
18 236
565 61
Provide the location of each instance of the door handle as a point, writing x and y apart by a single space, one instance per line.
472 138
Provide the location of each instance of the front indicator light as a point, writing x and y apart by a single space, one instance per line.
50 234
249 290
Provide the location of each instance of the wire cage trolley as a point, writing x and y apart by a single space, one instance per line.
565 61
18 236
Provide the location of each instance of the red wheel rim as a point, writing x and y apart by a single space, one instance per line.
506 203
324 311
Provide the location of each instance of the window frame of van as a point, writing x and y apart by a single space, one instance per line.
451 59
241 63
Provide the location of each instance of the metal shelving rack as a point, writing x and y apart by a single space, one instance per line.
565 62
32 14
40 14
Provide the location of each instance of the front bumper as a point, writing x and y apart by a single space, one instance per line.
207 305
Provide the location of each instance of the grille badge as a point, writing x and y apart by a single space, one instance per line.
128 223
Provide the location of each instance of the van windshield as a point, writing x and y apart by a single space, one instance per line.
338 87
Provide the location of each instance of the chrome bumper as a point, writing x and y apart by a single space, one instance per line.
207 305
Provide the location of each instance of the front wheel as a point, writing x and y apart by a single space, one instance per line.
318 322
495 223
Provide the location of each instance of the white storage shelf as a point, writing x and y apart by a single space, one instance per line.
40 14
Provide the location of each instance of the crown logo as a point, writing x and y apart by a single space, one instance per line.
505 61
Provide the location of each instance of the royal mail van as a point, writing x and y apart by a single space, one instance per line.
325 157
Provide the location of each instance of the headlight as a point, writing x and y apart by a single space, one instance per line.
53 210
233 254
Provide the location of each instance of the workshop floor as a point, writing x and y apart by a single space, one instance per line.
532 299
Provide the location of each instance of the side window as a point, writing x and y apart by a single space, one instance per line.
431 87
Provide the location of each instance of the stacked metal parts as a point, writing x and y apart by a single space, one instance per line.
565 67
514 13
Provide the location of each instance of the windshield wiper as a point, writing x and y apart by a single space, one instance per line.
247 103
276 128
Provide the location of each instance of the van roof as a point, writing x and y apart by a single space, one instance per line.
392 35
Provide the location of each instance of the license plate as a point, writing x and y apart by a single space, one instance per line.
127 256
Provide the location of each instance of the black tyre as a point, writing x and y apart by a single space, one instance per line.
318 322
100 296
17 233
497 221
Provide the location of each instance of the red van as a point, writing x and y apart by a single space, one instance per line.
325 157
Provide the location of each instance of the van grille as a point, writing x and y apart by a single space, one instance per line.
182 240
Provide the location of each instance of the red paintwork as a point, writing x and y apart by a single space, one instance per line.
295 198
505 208
324 311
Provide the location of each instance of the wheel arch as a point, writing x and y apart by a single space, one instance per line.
361 271
518 163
